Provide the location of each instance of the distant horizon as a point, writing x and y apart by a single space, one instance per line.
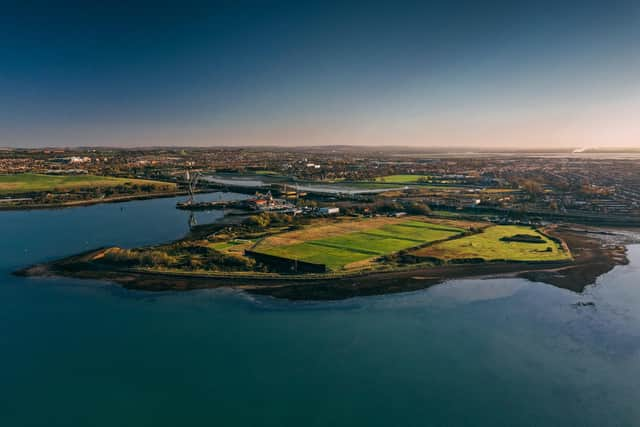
344 147
502 73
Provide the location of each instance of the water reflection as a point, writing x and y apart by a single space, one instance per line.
467 352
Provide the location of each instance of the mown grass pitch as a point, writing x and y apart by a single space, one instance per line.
338 251
488 246
333 258
30 182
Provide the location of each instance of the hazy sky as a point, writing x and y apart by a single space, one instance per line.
433 74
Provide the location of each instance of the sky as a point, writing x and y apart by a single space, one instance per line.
503 74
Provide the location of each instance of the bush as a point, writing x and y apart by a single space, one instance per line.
416 208
120 256
156 258
262 220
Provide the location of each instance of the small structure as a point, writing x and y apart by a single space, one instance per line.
266 202
329 211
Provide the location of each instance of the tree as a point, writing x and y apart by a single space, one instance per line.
418 208
261 220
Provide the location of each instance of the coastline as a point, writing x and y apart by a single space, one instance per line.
595 253
79 203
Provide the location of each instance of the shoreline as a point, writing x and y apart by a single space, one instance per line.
80 203
594 253
119 199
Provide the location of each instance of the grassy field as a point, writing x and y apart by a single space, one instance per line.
402 179
366 185
438 185
340 249
489 246
233 246
28 182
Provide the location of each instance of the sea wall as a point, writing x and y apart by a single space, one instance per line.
286 265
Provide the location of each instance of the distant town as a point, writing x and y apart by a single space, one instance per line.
576 186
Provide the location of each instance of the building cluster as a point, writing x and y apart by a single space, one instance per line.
577 184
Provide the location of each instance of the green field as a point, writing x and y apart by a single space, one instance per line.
333 258
30 183
221 246
414 182
488 246
337 251
366 185
402 179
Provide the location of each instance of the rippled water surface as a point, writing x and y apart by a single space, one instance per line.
466 353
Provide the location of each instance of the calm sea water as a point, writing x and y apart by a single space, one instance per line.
465 353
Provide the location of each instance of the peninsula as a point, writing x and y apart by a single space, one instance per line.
340 257
75 188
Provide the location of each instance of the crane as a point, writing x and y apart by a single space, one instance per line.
192 182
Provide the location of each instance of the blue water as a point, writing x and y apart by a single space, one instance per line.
466 353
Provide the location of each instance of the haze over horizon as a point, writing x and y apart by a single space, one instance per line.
510 74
